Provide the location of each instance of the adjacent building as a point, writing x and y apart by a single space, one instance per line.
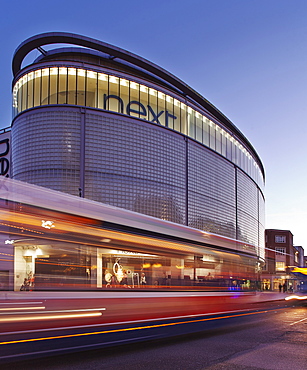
281 258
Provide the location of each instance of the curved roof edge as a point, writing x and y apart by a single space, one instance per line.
70 38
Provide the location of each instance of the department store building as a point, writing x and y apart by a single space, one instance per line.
99 122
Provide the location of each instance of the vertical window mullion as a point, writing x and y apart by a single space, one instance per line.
58 85
66 85
76 95
48 99
85 87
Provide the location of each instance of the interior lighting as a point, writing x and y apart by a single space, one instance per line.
157 265
123 82
91 74
133 85
62 70
81 72
113 80
53 71
102 76
153 92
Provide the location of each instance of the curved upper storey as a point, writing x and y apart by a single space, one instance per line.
195 112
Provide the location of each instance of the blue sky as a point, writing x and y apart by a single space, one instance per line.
247 57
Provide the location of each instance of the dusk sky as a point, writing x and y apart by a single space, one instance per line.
247 57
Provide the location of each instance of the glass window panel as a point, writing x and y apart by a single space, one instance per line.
45 86
30 89
199 127
234 152
244 161
53 88
224 143
124 92
170 114
280 266
72 86
228 147
62 95
19 98
144 99
177 114
134 109
212 135
153 103
218 140
103 90
24 92
81 86
183 126
15 100
91 89
37 88
161 109
114 102
206 132
240 156
191 123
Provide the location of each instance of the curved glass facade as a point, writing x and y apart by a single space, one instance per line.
127 137
138 166
67 85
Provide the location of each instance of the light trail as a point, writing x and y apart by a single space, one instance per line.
50 317
22 308
129 329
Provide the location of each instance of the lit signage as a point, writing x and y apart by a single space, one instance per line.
5 154
138 108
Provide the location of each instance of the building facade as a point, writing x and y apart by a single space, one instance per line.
102 123
281 259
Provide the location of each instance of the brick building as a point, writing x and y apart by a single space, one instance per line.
280 257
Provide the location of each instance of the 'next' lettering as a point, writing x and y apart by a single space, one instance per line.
155 116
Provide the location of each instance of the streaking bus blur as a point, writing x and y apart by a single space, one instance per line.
62 242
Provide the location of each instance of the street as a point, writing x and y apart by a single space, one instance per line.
276 340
